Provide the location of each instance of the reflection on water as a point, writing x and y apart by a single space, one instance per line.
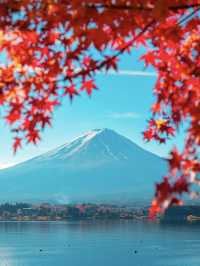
98 243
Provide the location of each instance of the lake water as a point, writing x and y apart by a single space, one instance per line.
98 244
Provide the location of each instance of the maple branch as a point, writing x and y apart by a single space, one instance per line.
110 59
120 7
188 16
128 7
184 7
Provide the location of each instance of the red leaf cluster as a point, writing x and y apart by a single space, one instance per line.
54 48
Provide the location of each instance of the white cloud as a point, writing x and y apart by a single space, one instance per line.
131 73
124 115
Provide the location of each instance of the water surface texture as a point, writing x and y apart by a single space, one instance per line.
98 244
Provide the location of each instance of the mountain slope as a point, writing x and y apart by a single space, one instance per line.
100 166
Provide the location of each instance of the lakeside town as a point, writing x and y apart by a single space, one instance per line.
65 212
61 212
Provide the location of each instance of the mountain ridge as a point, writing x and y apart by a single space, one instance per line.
98 163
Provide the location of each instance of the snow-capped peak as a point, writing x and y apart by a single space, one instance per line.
98 145
101 138
95 166
75 145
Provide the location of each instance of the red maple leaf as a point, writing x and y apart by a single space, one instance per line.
17 144
148 134
89 86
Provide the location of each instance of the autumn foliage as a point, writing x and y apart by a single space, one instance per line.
53 49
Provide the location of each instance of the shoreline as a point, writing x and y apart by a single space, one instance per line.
78 220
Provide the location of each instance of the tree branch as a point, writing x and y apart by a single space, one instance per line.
127 7
110 59
189 16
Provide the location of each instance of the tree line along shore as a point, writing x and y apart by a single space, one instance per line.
63 212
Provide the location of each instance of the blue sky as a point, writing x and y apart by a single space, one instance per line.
122 103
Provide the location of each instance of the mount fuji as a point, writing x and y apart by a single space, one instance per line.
100 166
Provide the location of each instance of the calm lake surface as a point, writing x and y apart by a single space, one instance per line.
98 244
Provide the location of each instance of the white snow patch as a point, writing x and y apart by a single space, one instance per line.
65 150
109 151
